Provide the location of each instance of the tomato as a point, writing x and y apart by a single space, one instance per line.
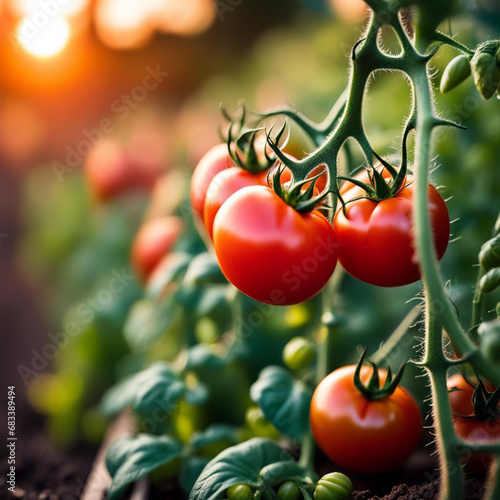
111 171
223 185
271 252
460 392
474 430
226 183
362 435
153 241
216 160
376 237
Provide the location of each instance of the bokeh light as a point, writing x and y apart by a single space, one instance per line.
182 17
46 41
123 24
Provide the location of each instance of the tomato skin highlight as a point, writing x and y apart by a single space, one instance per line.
271 252
376 237
154 240
223 185
215 160
361 435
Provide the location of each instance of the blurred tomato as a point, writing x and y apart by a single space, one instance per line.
153 241
112 171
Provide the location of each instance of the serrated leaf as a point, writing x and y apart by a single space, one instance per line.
284 401
239 464
157 386
131 458
147 321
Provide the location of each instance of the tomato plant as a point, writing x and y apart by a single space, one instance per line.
270 251
360 434
376 237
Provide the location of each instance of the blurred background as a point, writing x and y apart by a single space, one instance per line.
88 86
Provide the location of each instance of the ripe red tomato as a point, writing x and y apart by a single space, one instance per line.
376 237
153 241
474 430
460 394
226 183
223 185
110 171
270 251
362 435
216 160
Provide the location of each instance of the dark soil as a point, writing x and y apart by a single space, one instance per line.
45 473
474 491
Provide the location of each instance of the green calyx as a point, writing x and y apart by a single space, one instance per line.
296 194
246 146
379 187
373 391
485 403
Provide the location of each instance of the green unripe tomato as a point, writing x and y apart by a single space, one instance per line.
240 492
455 73
489 333
486 74
206 331
333 486
298 353
289 491
489 256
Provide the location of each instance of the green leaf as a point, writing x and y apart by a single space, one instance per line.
284 401
191 469
147 321
155 387
201 356
130 458
170 272
239 464
211 435
204 269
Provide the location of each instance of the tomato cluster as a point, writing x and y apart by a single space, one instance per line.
279 255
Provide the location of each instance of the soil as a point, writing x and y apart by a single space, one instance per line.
45 473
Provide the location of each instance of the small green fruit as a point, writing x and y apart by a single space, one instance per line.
289 491
298 353
455 73
240 492
489 333
486 74
333 486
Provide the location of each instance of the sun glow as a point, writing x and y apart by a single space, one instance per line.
46 41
